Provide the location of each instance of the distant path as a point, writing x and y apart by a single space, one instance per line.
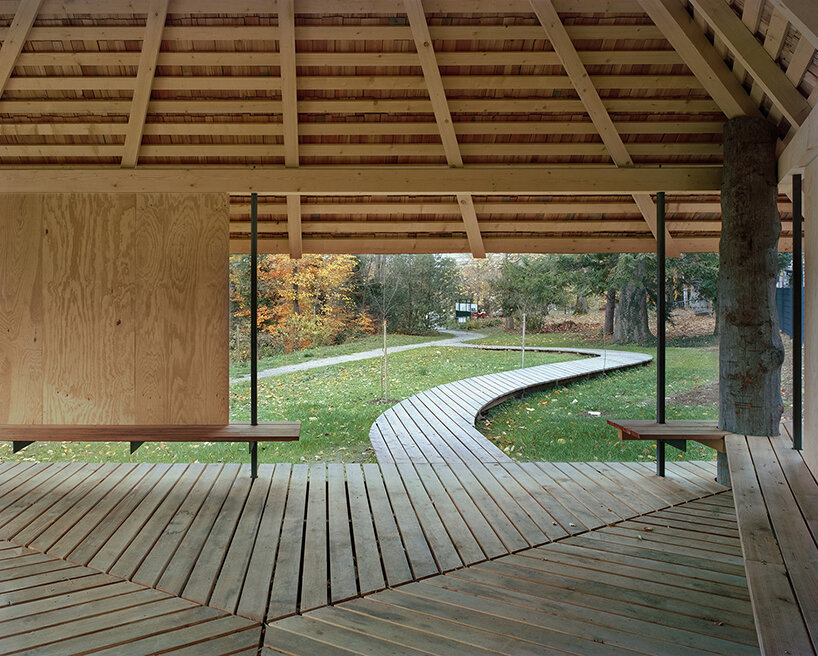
459 336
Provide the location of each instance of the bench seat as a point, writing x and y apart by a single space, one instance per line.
704 431
268 432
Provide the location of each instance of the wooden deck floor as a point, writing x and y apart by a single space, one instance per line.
146 558
51 607
670 582
303 536
777 506
437 425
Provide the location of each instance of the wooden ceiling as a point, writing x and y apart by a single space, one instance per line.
406 125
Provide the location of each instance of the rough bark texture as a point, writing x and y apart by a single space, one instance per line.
750 351
631 323
610 307
581 306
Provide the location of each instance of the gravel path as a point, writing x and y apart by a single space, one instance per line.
459 336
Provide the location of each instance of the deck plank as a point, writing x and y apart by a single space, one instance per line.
260 567
341 559
315 569
287 573
369 563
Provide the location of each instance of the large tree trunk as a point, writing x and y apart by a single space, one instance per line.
508 322
581 306
631 324
610 307
750 351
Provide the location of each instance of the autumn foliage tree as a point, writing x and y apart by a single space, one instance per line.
302 303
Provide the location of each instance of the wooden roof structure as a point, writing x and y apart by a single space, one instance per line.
408 126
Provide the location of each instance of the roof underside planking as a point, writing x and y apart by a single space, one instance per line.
389 125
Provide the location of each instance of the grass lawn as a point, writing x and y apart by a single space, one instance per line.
556 425
334 403
353 346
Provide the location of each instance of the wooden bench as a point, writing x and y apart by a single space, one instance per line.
21 435
678 433
776 499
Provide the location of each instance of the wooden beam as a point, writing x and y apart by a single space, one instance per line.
756 59
575 69
751 17
15 38
802 14
289 92
647 206
434 83
294 225
152 41
472 225
671 17
382 180
60 8
800 61
801 150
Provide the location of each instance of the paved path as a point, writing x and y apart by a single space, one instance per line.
459 336
437 425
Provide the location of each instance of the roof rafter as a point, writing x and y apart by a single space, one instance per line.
700 56
16 37
756 59
443 117
294 225
751 17
571 62
289 115
155 23
472 226
802 14
287 72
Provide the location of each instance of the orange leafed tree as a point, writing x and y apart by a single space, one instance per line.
302 303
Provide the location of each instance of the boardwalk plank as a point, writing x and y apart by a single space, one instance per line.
368 558
287 572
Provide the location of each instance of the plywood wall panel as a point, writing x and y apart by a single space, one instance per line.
182 358
21 397
88 353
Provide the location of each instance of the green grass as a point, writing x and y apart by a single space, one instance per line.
334 403
353 346
555 425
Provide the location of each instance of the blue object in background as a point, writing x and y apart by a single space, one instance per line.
783 303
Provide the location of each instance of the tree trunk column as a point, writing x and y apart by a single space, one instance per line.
750 351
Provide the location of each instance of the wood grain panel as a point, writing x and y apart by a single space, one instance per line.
182 303
88 348
21 397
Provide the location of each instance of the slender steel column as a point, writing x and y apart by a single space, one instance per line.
660 327
254 329
797 311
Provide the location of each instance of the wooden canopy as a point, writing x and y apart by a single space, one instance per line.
407 126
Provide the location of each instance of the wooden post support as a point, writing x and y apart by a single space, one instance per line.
751 351
722 470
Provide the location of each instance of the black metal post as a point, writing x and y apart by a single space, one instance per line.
254 329
660 327
797 311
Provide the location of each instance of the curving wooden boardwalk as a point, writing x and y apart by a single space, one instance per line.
437 425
